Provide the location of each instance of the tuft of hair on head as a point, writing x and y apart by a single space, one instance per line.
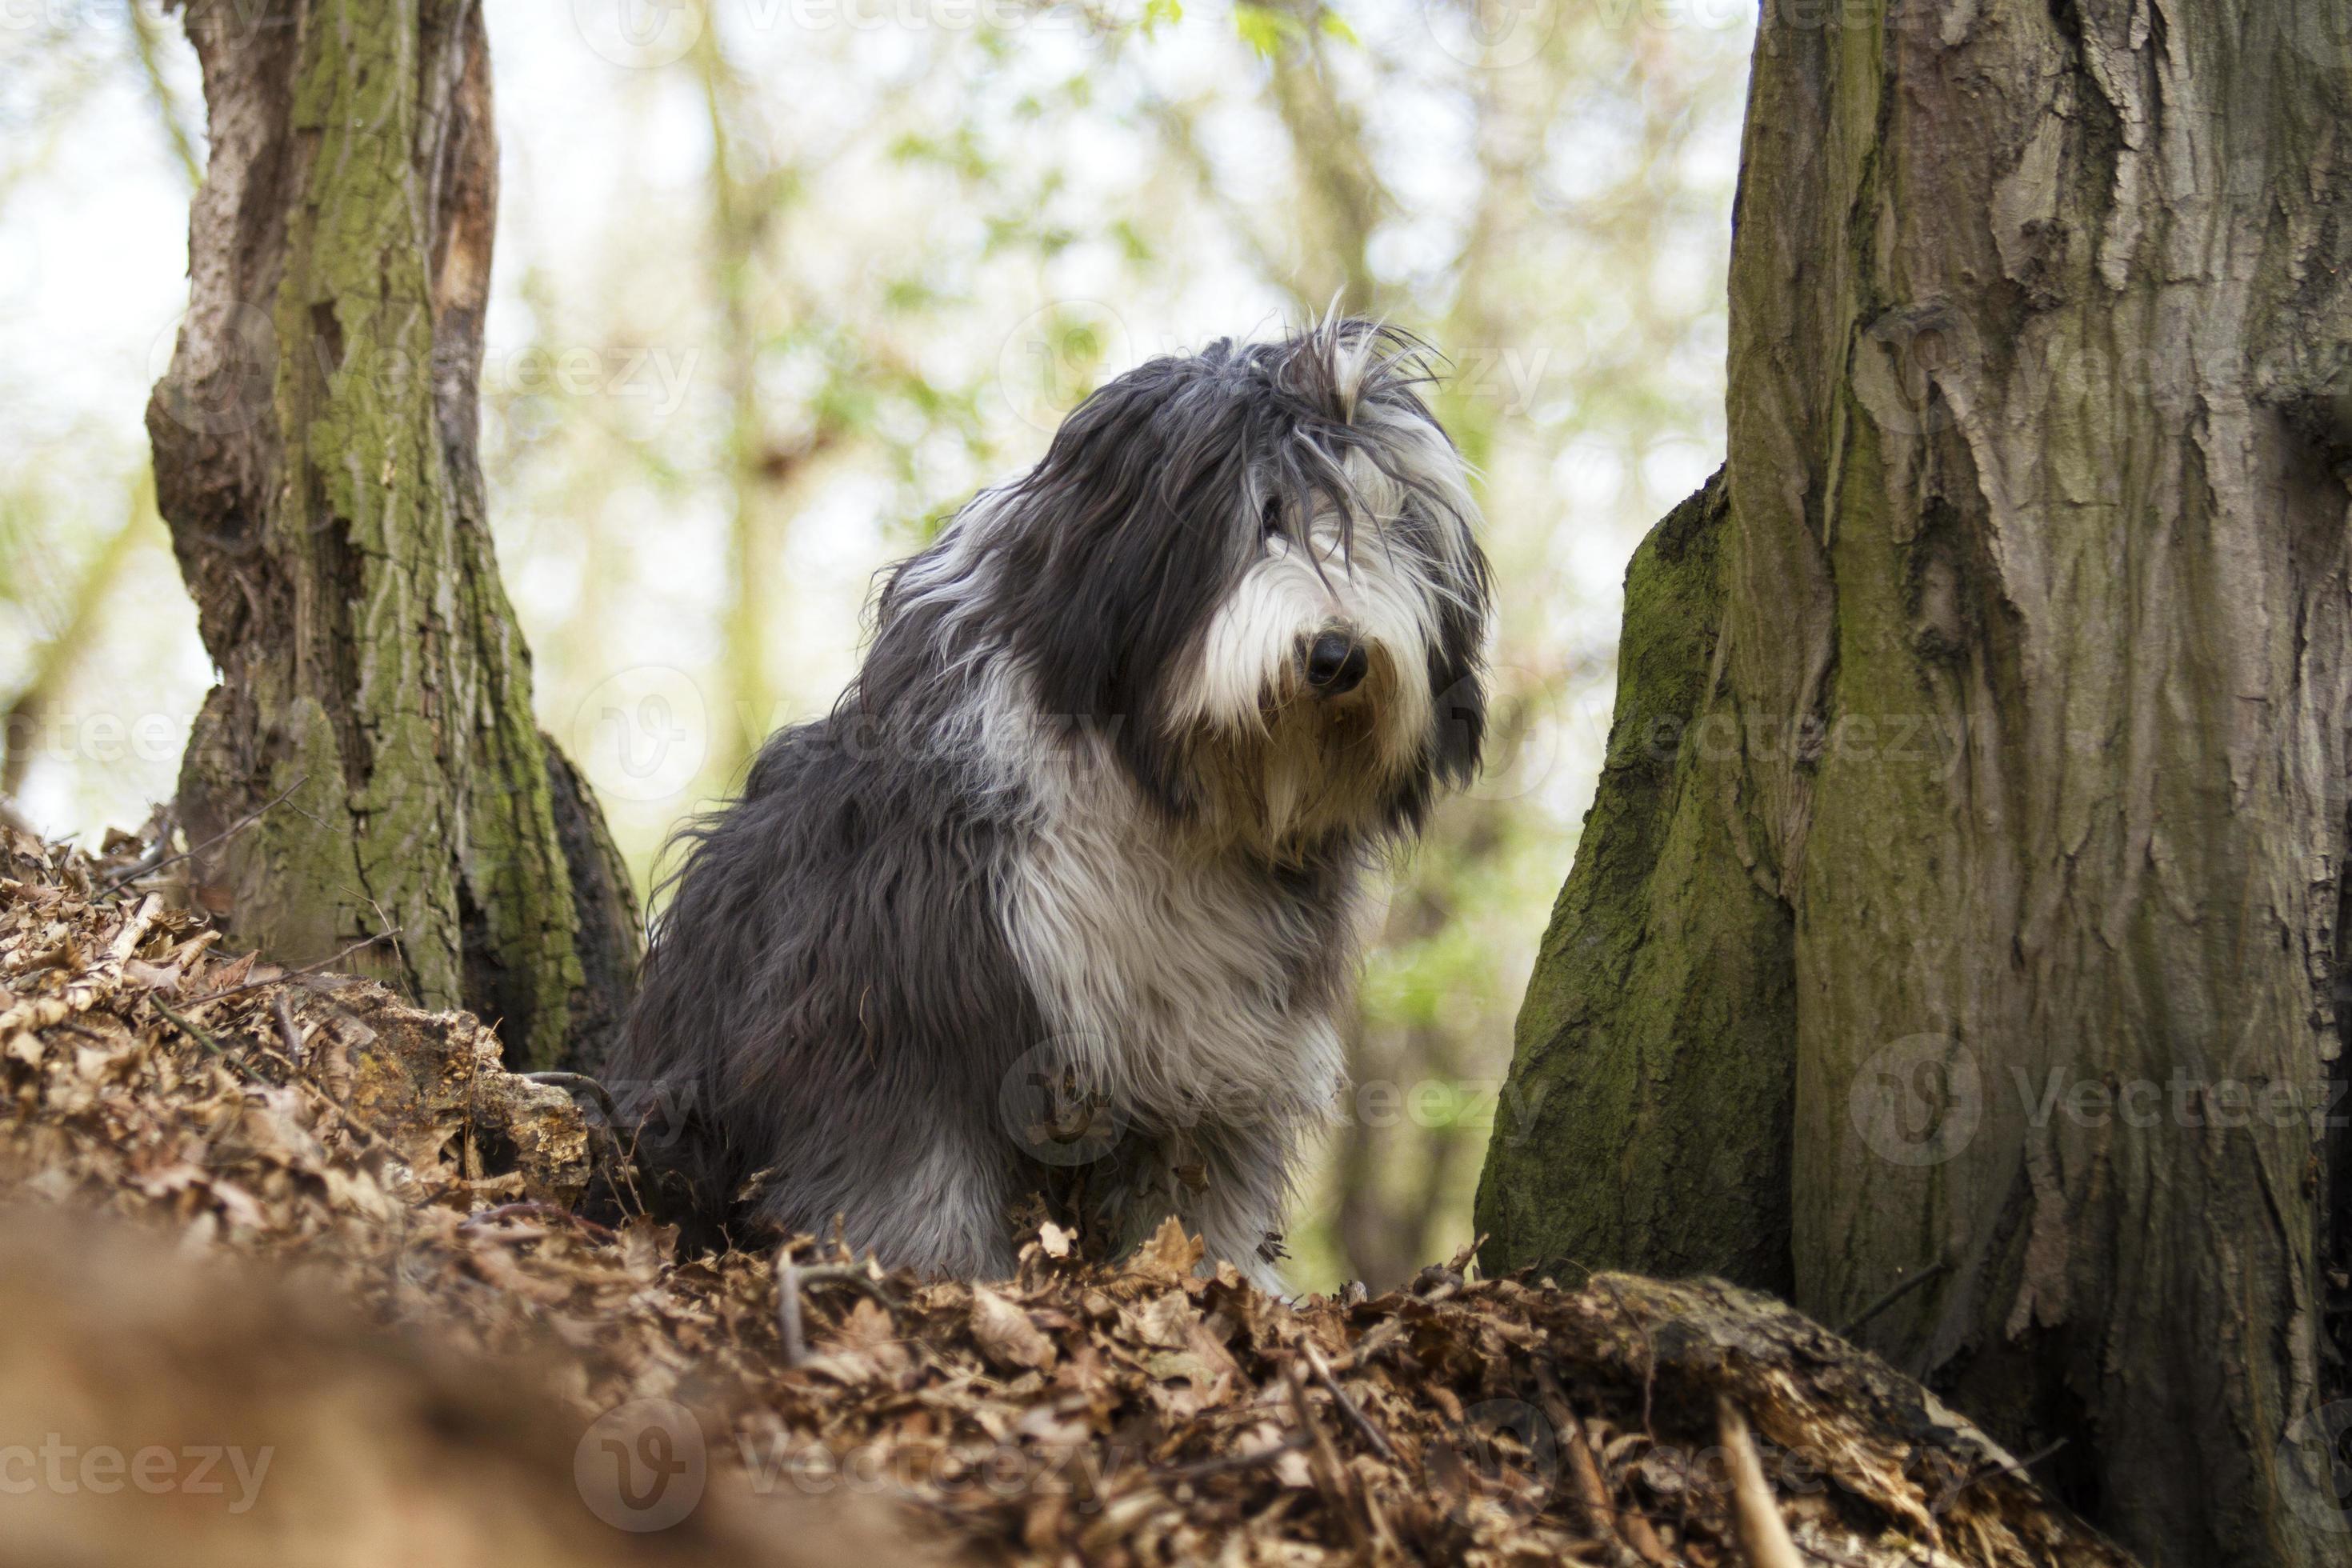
1362 379
1342 362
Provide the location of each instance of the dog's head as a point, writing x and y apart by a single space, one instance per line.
1250 575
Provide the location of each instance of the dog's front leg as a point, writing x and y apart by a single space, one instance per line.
938 1200
1235 1195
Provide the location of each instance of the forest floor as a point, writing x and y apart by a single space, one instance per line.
236 1198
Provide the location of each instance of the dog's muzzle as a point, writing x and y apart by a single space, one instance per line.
1334 663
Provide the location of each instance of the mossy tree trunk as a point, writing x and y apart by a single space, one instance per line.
1963 902
315 459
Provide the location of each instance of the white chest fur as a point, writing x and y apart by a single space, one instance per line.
1182 986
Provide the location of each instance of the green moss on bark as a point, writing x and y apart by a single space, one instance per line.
1645 1122
336 544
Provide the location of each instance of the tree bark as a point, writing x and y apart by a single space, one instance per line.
1646 1121
315 458
2006 814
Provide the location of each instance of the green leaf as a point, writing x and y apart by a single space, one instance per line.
1334 24
1133 245
1156 11
1262 30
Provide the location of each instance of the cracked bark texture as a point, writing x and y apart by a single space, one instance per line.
2004 811
314 443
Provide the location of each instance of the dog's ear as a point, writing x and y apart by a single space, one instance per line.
1457 663
1438 518
1118 546
1458 688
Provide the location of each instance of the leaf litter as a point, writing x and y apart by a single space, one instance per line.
316 1130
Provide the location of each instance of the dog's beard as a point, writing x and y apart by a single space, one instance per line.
1281 768
1312 772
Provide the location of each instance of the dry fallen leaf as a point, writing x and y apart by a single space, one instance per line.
1169 1252
154 977
1005 1334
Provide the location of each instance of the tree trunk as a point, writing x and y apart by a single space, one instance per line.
1985 880
1646 1121
315 458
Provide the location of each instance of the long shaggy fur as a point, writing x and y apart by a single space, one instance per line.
1061 898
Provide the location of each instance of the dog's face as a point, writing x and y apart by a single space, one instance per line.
1249 574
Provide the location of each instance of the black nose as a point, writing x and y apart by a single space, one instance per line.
1335 664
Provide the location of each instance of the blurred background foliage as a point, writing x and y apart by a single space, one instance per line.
781 282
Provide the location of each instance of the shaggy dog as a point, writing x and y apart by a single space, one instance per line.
1062 899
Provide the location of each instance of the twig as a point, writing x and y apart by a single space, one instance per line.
791 1280
1228 1464
1356 1417
134 930
1649 1354
1763 1532
788 1308
288 1028
469 1153
240 826
389 928
1631 1525
328 962
538 1206
1590 1490
1855 1324
150 858
1325 1461
1375 1340
581 1083
2018 1468
233 1061
192 1031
